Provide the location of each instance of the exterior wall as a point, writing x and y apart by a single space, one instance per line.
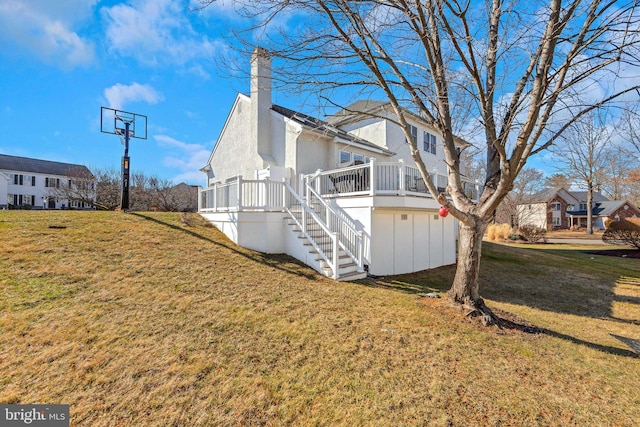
408 241
4 190
534 214
38 196
391 136
402 234
562 214
313 153
236 153
625 211
260 231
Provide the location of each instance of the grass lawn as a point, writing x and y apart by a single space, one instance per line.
143 320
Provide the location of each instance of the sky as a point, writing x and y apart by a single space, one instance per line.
62 60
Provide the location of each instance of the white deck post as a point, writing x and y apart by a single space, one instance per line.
334 236
239 193
372 177
401 173
360 249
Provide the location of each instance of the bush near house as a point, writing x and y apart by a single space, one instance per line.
532 233
499 232
624 232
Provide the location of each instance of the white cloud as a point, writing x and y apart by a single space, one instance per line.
156 32
118 95
46 30
186 158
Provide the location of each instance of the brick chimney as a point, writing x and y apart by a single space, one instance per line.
261 100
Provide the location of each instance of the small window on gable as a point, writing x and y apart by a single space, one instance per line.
345 156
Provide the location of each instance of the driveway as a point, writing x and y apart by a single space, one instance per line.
579 241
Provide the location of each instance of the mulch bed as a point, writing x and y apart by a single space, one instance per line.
622 253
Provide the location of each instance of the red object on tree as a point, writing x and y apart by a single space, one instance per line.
443 212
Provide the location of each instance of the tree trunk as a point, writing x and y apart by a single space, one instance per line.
589 208
464 290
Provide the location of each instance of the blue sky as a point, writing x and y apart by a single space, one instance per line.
60 61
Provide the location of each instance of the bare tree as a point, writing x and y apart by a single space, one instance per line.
558 180
516 61
108 188
79 188
585 155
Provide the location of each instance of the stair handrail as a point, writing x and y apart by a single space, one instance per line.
333 263
342 237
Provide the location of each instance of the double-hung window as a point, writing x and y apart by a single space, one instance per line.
429 141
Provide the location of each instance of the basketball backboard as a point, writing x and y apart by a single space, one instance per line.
114 121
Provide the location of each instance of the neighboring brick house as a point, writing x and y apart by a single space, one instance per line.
558 208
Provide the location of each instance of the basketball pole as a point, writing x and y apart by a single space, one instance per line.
126 166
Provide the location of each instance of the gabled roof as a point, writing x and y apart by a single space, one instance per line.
609 207
325 128
548 194
581 196
364 108
355 110
25 164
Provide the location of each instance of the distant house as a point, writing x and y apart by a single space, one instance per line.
27 183
559 208
342 194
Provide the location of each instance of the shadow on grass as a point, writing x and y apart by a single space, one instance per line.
278 262
566 282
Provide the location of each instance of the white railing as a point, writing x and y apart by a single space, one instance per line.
349 238
380 178
242 195
324 241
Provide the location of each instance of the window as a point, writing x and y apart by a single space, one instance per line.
18 179
52 182
555 206
429 142
583 206
358 158
345 157
414 133
557 221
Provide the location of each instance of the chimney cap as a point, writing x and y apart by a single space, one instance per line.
260 52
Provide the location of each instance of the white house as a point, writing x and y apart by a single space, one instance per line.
43 184
342 195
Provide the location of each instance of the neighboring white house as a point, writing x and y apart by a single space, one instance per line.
559 208
342 195
42 184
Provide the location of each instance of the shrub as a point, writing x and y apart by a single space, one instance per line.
503 231
491 232
533 233
625 232
498 232
608 222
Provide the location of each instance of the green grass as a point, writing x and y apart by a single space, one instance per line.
142 319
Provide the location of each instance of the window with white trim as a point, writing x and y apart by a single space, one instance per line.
345 156
414 133
557 221
429 142
556 206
